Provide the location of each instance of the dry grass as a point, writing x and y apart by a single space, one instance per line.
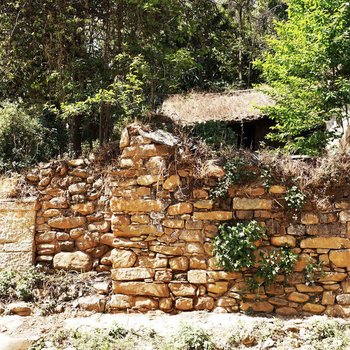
201 107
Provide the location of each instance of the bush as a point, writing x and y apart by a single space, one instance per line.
190 338
21 137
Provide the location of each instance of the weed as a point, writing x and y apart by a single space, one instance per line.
237 171
327 334
190 338
295 199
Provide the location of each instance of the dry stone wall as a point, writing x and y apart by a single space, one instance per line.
17 226
149 222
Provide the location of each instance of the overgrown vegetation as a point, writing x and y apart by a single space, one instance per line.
255 333
235 249
47 290
237 171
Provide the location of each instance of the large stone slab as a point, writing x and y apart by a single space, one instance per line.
77 261
135 205
325 242
141 288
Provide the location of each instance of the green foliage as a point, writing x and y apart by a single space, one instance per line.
190 338
237 171
277 262
19 285
21 137
313 271
215 134
234 246
327 334
101 339
295 199
307 70
266 177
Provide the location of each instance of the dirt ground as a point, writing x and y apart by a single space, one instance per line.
16 332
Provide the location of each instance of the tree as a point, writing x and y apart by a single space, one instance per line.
307 69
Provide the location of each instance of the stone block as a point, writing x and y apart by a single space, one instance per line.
213 215
95 303
146 303
67 222
136 205
217 287
132 273
172 183
77 261
166 250
173 223
183 289
314 308
325 242
251 204
180 209
328 298
154 263
121 301
281 241
340 258
197 276
122 258
259 306
298 297
146 151
204 303
179 264
83 208
304 288
309 219
135 230
204 204
141 288
286 311
184 304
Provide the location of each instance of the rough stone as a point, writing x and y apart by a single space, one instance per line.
197 276
213 215
83 208
94 303
20 308
281 241
77 261
180 209
204 303
182 289
298 297
67 222
251 204
179 264
146 303
122 258
141 288
172 183
136 205
314 308
259 306
325 242
340 258
132 273
121 301
184 304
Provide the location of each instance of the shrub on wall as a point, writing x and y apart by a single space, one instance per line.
234 248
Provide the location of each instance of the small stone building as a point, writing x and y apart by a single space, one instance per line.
239 109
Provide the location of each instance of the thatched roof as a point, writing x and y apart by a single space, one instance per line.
236 106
